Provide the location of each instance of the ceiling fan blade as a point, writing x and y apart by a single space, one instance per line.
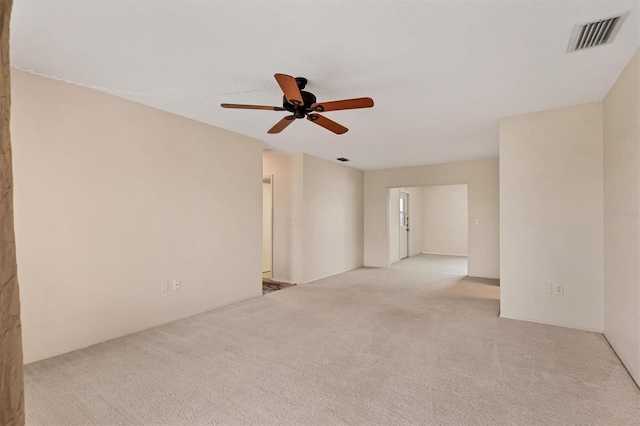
327 124
239 106
345 104
282 124
289 86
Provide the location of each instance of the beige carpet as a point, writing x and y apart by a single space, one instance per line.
436 263
372 346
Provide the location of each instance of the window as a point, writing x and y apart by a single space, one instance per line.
403 211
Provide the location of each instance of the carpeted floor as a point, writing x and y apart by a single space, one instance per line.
372 346
436 263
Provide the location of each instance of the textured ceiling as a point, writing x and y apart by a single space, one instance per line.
441 72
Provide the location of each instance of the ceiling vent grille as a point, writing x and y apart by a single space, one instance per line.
595 33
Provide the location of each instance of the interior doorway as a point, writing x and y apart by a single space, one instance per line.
428 228
267 227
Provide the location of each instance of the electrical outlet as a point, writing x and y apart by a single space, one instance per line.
476 221
176 284
548 288
164 286
558 290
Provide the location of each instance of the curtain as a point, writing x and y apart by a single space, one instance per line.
11 369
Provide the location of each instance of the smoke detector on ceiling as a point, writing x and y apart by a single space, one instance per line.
596 33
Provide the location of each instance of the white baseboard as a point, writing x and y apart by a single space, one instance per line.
282 281
314 279
626 364
331 275
326 276
134 330
444 254
553 323
483 277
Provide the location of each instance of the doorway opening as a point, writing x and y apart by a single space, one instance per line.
269 202
267 227
428 228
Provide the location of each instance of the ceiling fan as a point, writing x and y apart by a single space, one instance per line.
303 104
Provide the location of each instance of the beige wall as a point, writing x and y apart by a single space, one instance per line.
317 217
551 216
481 176
111 198
445 223
288 209
621 222
333 218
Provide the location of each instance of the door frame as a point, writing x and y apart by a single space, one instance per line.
269 179
408 232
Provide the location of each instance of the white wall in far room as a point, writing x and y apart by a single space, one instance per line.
551 220
445 221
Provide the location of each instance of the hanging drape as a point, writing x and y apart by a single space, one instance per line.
11 371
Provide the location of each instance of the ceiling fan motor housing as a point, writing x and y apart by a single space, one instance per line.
300 111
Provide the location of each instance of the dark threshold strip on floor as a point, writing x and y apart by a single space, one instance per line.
269 286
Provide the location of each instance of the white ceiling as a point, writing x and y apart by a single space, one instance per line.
441 72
